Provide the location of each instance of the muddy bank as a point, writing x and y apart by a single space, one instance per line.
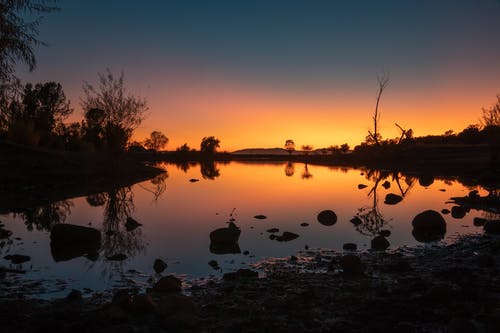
454 288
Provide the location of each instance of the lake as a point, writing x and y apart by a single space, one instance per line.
179 209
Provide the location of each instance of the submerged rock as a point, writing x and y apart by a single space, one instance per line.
260 217
225 240
380 243
304 224
356 221
362 186
350 247
327 217
445 211
479 221
386 184
385 233
428 226
492 227
159 266
392 199
286 236
68 241
131 224
214 264
242 273
458 212
194 180
273 230
425 179
17 258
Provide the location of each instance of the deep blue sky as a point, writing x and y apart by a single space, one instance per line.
288 47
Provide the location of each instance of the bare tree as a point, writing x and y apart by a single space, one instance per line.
491 115
383 81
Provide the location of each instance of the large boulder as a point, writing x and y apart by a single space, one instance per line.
168 284
327 217
458 212
425 179
225 240
380 243
68 241
428 226
351 265
492 227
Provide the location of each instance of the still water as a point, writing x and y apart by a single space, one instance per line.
178 213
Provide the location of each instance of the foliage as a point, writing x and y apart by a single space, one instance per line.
289 146
18 37
156 141
209 145
121 113
344 148
307 149
491 116
184 148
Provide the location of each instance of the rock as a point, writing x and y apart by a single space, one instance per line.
356 221
485 260
272 237
260 217
425 179
159 266
479 222
4 233
445 211
350 247
171 304
131 224
74 296
327 217
428 226
392 199
380 243
400 266
168 284
242 273
17 258
286 237
117 257
273 230
293 258
492 227
245 253
122 298
441 293
142 304
225 240
194 180
304 224
351 265
214 264
385 233
458 212
386 184
362 186
68 241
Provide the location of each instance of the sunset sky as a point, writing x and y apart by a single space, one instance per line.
255 73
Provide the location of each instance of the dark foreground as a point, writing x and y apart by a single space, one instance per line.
455 288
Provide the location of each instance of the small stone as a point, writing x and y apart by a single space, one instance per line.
168 284
260 217
142 304
74 296
242 273
351 265
194 180
287 236
386 184
445 211
356 221
214 264
293 258
458 212
392 199
350 247
159 266
327 217
479 222
304 224
131 224
385 233
362 186
273 230
245 253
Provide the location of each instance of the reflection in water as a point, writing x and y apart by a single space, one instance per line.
96 200
372 221
289 169
306 174
209 170
159 185
45 217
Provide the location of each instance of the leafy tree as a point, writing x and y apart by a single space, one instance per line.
307 149
184 148
122 112
156 141
472 135
289 146
344 148
18 37
209 145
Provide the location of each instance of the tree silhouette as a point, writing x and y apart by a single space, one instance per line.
344 148
156 141
289 169
307 149
19 37
209 145
289 146
491 116
375 137
123 112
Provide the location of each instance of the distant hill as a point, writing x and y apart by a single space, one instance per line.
261 151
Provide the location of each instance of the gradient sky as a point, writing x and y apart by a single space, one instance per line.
255 73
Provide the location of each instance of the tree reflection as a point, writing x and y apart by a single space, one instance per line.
45 217
158 187
289 169
306 174
209 170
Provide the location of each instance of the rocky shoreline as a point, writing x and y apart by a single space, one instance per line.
447 288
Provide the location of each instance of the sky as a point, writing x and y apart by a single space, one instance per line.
256 73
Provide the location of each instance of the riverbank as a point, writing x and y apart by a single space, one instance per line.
447 288
32 177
